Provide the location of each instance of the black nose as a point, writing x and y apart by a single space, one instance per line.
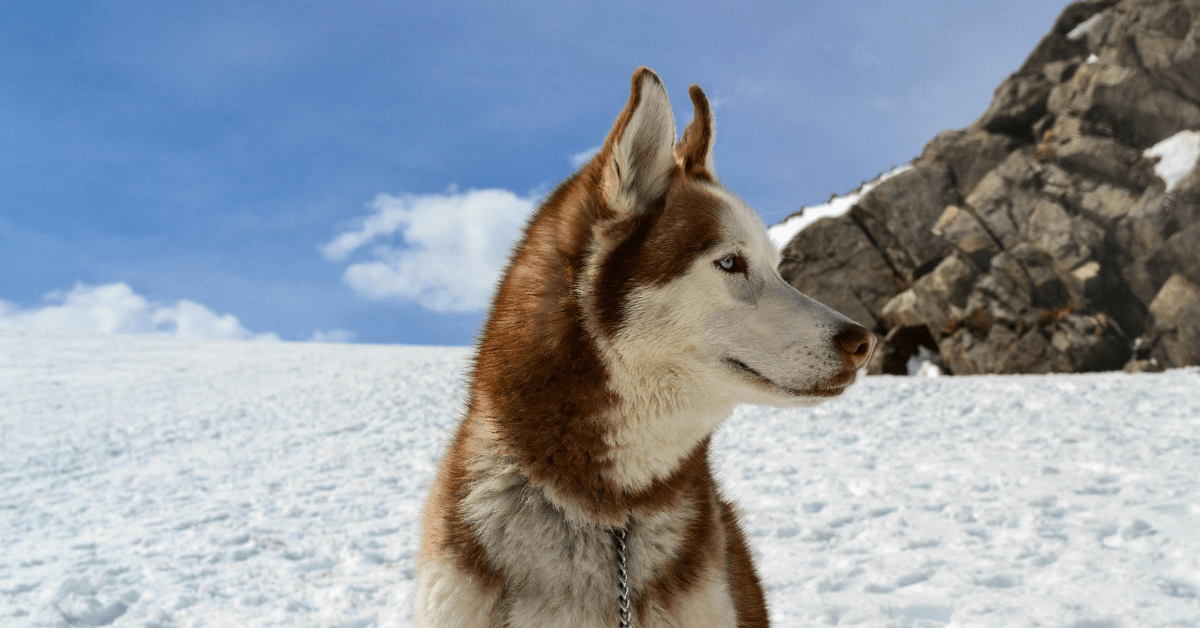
855 343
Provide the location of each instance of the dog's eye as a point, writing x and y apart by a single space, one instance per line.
732 263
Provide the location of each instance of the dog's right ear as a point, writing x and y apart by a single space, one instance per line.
637 156
695 150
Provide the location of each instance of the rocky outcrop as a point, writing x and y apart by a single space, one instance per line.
1041 238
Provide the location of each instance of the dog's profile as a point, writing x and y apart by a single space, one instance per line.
641 305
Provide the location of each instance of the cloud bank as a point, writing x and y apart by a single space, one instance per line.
444 252
116 309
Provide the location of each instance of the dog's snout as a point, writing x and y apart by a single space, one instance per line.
856 344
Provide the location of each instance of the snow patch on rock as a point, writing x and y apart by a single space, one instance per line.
783 232
1177 156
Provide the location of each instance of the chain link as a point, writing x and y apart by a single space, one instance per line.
622 579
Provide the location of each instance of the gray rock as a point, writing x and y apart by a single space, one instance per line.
1126 100
1019 102
1068 143
1070 240
1103 204
1162 37
969 154
1088 343
1146 276
1086 283
1002 351
933 300
1030 353
1004 199
1099 201
956 352
1181 252
965 232
834 262
1040 238
1176 312
898 213
1059 71
1055 46
1143 230
1143 366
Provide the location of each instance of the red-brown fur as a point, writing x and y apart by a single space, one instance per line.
540 376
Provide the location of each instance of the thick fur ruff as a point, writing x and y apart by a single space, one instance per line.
640 306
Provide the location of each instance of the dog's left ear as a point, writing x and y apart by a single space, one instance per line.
636 157
695 150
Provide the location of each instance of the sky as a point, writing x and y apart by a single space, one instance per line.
357 171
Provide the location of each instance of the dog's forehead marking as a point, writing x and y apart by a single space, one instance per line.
744 226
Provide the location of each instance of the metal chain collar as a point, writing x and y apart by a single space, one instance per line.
618 536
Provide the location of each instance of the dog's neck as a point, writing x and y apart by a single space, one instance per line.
649 438
606 440
604 468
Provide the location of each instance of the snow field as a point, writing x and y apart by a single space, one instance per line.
151 481
175 483
978 501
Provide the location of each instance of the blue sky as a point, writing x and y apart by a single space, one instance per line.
285 169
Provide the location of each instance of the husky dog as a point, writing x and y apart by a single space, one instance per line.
640 306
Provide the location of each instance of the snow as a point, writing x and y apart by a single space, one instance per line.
159 481
783 232
923 364
1177 155
1081 31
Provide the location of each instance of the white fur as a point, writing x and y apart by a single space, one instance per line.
447 597
669 367
561 569
640 166
666 362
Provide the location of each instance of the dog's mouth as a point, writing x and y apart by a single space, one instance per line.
831 388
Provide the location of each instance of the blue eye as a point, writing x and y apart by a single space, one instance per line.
732 263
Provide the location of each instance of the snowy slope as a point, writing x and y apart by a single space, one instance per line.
782 233
162 482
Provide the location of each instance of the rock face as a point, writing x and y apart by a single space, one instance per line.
1040 239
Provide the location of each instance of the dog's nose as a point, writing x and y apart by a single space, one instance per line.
856 343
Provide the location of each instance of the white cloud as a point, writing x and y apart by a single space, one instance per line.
116 308
578 159
442 251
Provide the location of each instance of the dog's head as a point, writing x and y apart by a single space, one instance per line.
641 305
680 283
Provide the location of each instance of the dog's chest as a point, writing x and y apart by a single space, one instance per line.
563 573
555 570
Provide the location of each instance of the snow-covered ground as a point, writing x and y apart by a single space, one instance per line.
152 481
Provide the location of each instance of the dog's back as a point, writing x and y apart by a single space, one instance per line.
640 307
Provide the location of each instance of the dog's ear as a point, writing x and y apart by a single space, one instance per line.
695 150
637 155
